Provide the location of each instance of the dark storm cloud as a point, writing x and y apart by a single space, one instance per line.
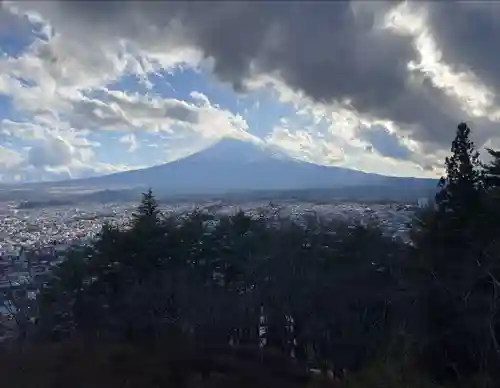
468 34
332 51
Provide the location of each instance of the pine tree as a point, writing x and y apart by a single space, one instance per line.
492 170
454 290
491 198
460 189
457 226
147 211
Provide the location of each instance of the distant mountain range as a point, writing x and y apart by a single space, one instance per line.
236 166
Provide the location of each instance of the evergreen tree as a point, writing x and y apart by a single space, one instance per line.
492 173
457 227
491 176
147 210
460 188
456 293
445 236
325 291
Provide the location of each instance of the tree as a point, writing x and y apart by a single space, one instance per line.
492 184
59 299
324 290
460 188
148 211
492 170
456 228
454 277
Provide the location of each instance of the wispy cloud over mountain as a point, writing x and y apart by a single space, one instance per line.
92 87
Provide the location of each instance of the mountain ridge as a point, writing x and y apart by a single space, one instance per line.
232 165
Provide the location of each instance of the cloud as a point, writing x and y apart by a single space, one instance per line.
122 111
131 140
349 53
59 95
336 51
388 144
22 130
395 76
467 32
9 158
303 145
51 152
48 153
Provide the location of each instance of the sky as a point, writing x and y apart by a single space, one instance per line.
92 88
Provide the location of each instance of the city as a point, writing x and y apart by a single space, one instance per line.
32 241
33 229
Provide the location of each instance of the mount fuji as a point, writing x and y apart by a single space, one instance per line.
233 165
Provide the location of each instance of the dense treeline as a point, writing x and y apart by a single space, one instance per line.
329 295
323 291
